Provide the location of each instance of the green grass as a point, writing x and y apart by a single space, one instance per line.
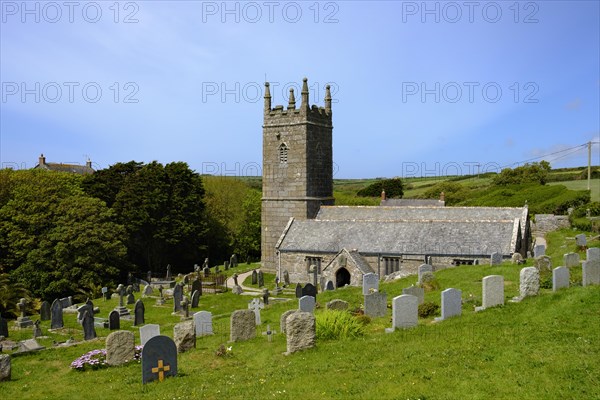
544 347
582 185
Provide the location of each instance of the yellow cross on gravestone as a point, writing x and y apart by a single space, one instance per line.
160 370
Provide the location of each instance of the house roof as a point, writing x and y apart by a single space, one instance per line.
412 202
72 168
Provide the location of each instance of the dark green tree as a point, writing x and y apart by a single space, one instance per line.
528 173
393 189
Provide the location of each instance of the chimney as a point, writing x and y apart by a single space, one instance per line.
88 163
442 197
383 195
42 160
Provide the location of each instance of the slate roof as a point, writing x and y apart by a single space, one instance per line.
449 238
72 168
412 202
356 258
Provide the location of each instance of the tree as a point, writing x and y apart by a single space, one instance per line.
528 173
393 189
247 243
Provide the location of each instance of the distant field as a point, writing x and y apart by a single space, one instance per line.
582 185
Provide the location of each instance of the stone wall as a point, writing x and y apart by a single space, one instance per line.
545 223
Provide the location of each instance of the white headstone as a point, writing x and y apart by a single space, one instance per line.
492 291
370 281
560 278
306 304
405 311
571 260
590 271
451 303
147 332
539 250
580 240
256 305
203 323
424 268
593 253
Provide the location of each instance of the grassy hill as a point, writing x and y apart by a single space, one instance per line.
544 347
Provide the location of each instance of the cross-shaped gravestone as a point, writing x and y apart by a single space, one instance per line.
121 292
256 305
22 306
269 333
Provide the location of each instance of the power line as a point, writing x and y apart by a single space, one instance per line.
549 154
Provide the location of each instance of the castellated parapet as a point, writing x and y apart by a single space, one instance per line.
297 166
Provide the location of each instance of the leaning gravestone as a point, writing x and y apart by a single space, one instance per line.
177 297
120 347
300 328
539 250
309 290
571 260
580 240
543 263
529 282
496 258
283 318
298 290
416 291
329 285
159 359
197 286
451 303
405 312
139 311
5 368
370 283
82 310
261 279
195 298
492 291
56 315
147 290
376 304
422 269
203 323
243 325
306 304
591 267
337 304
3 327
560 278
114 320
45 311
184 336
254 277
147 332
89 331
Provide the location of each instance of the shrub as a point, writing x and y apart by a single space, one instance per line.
429 282
428 309
333 324
453 192
393 189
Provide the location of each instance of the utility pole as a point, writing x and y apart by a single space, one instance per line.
589 164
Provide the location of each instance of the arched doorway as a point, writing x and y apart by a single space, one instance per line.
342 277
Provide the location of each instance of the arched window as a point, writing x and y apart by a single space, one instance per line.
283 153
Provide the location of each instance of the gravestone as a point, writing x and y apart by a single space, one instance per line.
516 258
309 290
197 286
243 325
5 367
591 267
29 345
560 278
492 291
114 320
306 304
130 298
370 283
265 296
529 282
571 260
205 264
23 321
139 311
543 263
82 310
286 277
422 269
261 279
337 304
56 315
184 336
3 327
195 298
581 240
416 291
298 290
159 359
233 261
148 290
237 289
105 293
37 331
593 253
329 285
177 297
89 331
496 258
45 311
283 319
539 250
300 328
256 305
120 347
206 271
451 303
168 276
254 277
405 312
376 304
147 332
185 305
66 302
203 323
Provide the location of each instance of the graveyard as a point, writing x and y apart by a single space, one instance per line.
543 346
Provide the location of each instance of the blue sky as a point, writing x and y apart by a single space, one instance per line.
420 88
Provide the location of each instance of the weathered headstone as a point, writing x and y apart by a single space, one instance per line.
416 291
5 367
120 347
283 318
298 290
261 279
206 271
114 320
184 335
560 278
376 304
147 332
203 323
148 290
195 298
105 293
300 331
543 263
451 303
529 282
591 267
492 291
37 331
370 283
56 315
23 321
177 297
539 250
571 260
45 311
130 298
226 265
496 258
139 311
329 285
256 305
168 276
581 240
197 286
306 304
243 325
516 258
66 302
337 304
422 269
405 312
309 290
233 262
81 310
254 277
159 359
3 327
286 277
89 331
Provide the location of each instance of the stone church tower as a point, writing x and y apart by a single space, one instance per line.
297 166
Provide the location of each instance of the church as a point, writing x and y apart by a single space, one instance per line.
302 229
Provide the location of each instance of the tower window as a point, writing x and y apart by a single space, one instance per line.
283 153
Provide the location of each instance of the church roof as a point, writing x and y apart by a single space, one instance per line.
402 237
356 259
